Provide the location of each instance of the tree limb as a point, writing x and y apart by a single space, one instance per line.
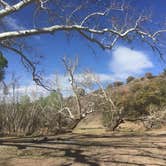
29 66
11 9
4 4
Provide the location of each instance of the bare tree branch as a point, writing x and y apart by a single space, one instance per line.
70 68
80 29
112 24
30 67
157 33
11 9
4 4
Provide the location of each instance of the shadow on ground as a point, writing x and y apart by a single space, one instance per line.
92 150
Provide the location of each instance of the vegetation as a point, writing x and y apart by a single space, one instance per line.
148 75
3 65
112 119
106 24
32 117
139 97
117 83
129 79
164 72
144 99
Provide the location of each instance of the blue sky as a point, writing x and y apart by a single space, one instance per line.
124 60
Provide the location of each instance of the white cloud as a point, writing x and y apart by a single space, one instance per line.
14 24
125 62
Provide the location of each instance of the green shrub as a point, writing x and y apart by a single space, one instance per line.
135 87
110 86
164 72
129 79
117 83
140 95
3 65
112 119
149 75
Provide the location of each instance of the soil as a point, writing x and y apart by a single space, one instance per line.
110 149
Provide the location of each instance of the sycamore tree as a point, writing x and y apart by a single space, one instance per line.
104 23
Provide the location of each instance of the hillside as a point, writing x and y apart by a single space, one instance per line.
143 101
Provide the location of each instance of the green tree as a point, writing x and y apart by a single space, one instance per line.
164 72
129 79
3 65
148 75
117 83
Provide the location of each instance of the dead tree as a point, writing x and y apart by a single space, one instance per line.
113 113
71 67
77 87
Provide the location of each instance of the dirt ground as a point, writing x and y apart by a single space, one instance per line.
80 149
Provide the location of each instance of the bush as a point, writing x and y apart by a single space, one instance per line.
3 65
156 118
81 92
148 75
129 79
30 117
140 95
142 78
110 86
112 119
117 83
135 87
164 72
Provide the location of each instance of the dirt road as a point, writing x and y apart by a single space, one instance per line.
80 150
